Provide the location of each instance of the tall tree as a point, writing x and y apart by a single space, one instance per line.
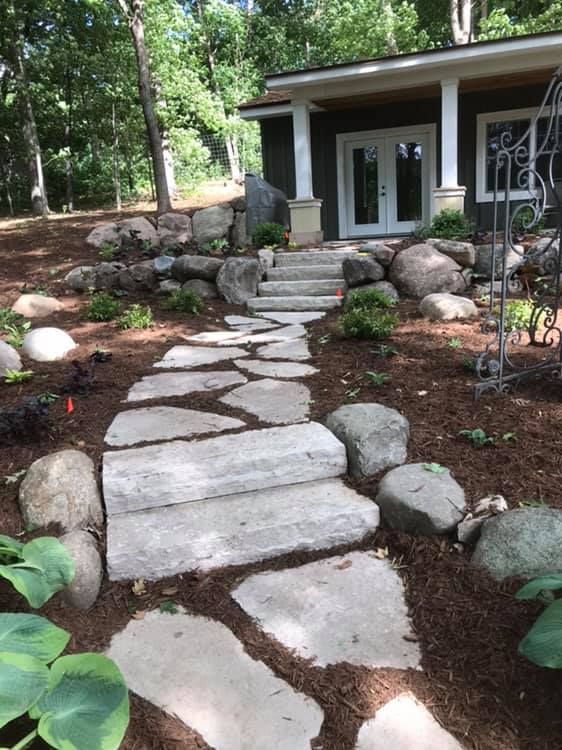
461 21
133 12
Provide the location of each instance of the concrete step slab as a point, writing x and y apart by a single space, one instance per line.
312 258
291 318
271 401
305 273
183 472
237 529
169 384
293 303
301 288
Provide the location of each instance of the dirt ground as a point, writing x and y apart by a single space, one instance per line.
468 626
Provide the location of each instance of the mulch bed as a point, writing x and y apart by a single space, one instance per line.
468 626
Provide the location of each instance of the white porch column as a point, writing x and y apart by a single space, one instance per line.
306 223
450 194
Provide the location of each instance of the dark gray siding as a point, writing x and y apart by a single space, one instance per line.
277 153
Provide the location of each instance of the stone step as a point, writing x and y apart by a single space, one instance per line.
292 303
312 258
237 529
305 273
183 472
301 288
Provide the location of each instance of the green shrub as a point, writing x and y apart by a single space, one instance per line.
12 377
368 324
103 307
543 643
185 300
14 325
268 234
9 318
518 314
449 224
368 299
136 316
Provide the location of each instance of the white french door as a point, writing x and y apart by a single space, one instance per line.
384 181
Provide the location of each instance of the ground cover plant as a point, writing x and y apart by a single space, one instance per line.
365 315
103 307
543 643
449 224
136 316
185 300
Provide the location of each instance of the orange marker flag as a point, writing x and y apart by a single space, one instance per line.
69 406
339 293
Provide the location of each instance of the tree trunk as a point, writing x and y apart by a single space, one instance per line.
461 21
127 154
150 174
115 150
233 160
169 165
484 9
134 15
68 145
6 172
388 15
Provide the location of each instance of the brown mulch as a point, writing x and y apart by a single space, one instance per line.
468 626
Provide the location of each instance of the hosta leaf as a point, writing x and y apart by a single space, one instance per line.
86 706
9 545
543 643
46 568
29 634
22 681
545 583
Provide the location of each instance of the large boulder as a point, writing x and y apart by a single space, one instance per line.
85 586
380 252
386 288
106 275
36 305
174 229
61 488
47 344
375 436
462 253
420 270
239 234
139 277
205 289
361 269
196 267
212 223
483 264
525 542
238 279
545 254
9 358
138 229
80 279
443 306
417 500
105 234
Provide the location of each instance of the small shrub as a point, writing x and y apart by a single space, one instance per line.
518 314
136 316
454 343
450 224
185 300
268 233
368 299
368 324
219 245
384 351
9 318
14 325
103 307
523 222
17 376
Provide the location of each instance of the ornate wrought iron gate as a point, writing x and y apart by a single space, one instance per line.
533 165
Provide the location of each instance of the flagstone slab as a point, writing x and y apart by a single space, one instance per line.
154 423
349 608
226 338
245 323
404 724
271 401
276 369
296 349
196 669
237 529
197 356
180 471
292 317
216 337
166 385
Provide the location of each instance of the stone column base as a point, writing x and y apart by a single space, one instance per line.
306 221
449 197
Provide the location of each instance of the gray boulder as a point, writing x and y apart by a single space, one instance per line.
212 223
136 230
139 277
545 254
85 587
105 234
419 501
196 267
106 275
462 253
239 235
9 358
168 286
238 203
443 306
483 264
381 253
205 289
47 344
163 266
238 279
266 259
174 229
385 287
420 270
525 542
61 488
80 279
361 269
36 305
375 436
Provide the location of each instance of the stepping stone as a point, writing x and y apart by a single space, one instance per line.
237 529
348 608
164 423
292 317
271 401
293 303
166 385
196 356
180 472
294 349
216 337
196 669
404 724
275 369
225 338
244 323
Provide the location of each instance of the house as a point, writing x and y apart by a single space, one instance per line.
376 147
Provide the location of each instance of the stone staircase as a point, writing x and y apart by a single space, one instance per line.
304 280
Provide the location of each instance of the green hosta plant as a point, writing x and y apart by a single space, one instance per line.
543 643
17 376
477 437
377 378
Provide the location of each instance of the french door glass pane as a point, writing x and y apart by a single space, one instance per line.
366 184
408 159
494 130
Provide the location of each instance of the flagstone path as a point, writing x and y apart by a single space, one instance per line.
177 502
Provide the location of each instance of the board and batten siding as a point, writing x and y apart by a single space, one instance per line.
277 143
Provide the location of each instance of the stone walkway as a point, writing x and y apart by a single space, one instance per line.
176 502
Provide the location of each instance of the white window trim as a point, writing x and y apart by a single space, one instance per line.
482 120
